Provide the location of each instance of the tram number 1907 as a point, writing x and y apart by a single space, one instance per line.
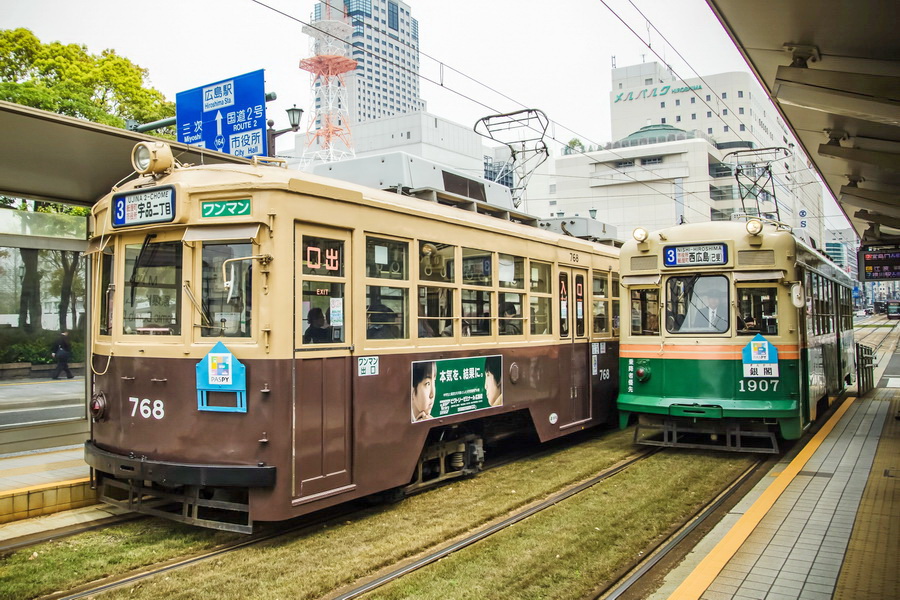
758 385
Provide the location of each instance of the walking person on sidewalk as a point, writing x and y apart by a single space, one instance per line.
62 352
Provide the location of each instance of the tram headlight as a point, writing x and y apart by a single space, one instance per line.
640 235
151 157
642 373
98 406
754 227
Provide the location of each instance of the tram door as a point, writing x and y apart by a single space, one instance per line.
322 440
575 358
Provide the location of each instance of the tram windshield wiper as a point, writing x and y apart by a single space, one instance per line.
133 281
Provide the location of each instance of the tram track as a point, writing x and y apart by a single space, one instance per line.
681 540
875 333
492 529
267 533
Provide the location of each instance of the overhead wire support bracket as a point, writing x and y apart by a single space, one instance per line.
523 132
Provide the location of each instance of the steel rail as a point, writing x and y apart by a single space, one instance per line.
655 555
493 529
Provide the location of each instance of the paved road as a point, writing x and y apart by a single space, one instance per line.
30 401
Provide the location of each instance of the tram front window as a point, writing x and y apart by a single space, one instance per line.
645 312
697 304
757 311
226 310
153 288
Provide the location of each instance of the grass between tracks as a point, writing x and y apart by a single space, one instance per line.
559 554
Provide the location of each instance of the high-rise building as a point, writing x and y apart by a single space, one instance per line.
841 246
385 44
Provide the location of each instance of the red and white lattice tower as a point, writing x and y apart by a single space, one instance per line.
328 137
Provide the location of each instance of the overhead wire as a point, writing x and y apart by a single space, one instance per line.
441 83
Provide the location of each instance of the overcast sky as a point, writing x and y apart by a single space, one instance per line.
478 57
555 56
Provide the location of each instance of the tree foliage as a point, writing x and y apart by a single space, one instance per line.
66 79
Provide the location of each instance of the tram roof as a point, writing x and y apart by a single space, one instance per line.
51 157
849 93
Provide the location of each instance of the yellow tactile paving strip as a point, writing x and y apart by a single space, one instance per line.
42 483
871 568
709 568
53 466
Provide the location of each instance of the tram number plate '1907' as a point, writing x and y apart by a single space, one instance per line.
150 206
683 256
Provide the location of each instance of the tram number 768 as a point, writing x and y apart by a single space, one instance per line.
758 385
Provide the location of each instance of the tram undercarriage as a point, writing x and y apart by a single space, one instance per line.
732 435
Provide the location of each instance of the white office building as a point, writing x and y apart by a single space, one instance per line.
679 145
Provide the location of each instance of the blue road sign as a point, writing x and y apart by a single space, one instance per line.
228 116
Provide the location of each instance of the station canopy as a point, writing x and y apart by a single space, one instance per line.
832 70
46 156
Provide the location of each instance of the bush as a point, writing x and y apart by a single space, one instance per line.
19 346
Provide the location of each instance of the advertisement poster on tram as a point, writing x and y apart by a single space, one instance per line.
443 388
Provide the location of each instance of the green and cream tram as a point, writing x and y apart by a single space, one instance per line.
735 333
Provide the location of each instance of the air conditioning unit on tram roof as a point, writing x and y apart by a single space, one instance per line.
410 175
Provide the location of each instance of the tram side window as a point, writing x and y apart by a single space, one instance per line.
386 313
600 301
511 271
435 312
564 298
540 298
153 276
580 289
387 259
510 313
697 304
323 299
226 310
323 312
476 312
477 267
757 311
107 290
436 262
645 312
615 304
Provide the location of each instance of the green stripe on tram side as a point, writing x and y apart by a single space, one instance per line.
718 388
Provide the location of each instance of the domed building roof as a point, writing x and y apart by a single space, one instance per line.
654 134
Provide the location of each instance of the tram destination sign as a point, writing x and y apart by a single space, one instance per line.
695 255
147 206
879 262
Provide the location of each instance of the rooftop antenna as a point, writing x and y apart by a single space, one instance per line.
523 133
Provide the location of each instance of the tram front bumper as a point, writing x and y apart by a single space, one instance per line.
175 474
710 408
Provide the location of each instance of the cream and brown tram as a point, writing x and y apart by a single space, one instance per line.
735 333
267 343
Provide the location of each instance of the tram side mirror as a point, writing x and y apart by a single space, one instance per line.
797 297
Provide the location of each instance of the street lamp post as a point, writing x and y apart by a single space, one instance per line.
294 116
